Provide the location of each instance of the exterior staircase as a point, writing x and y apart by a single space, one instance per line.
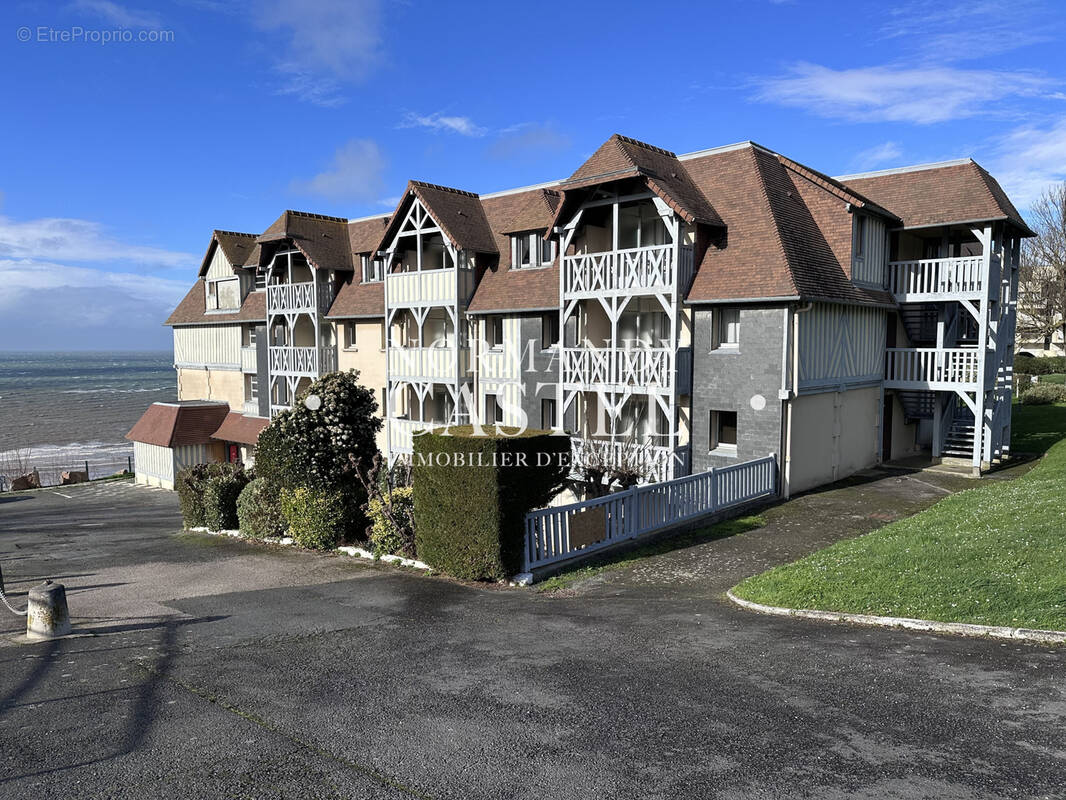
958 442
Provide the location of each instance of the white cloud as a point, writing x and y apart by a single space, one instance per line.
528 139
79 240
1029 159
921 95
340 38
309 87
357 172
115 14
442 122
946 32
879 154
390 202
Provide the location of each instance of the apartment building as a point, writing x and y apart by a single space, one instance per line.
669 313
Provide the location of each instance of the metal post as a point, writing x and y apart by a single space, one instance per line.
129 463
86 469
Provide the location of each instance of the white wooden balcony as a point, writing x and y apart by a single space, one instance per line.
401 434
302 361
657 464
428 363
250 408
248 359
936 279
429 287
932 368
639 368
299 298
639 270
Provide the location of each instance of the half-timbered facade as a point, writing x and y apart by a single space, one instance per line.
668 313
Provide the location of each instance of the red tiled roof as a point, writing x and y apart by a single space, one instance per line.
459 215
177 424
324 240
504 288
358 299
239 428
192 310
364 235
938 195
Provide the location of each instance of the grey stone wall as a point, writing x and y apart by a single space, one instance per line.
545 368
729 380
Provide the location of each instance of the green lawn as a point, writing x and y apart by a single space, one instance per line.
994 554
1056 377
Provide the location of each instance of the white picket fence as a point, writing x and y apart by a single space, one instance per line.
644 509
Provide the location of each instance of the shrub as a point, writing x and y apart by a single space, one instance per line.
392 522
471 495
324 448
221 488
189 484
1042 366
259 511
1043 394
314 517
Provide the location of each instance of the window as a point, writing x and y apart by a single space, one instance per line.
547 414
223 293
384 404
251 387
248 336
349 336
724 432
643 324
549 331
383 340
726 334
493 410
373 269
531 250
860 236
494 332
260 280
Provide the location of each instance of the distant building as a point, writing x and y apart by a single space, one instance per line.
680 312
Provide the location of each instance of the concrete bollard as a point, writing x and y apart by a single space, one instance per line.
46 614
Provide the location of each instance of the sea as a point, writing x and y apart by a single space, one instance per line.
59 411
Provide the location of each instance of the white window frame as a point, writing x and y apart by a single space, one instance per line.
551 421
719 325
715 445
549 319
253 388
373 269
494 332
535 241
493 409
350 334
212 294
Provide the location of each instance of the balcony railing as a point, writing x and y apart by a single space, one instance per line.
428 363
302 361
248 359
635 367
425 288
251 408
636 270
655 464
298 298
936 278
931 368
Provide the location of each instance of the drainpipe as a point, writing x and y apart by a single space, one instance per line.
789 389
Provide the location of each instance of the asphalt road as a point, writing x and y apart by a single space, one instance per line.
213 668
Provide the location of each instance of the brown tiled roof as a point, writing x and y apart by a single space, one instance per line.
192 310
938 195
459 215
324 240
621 157
502 288
239 428
238 248
364 235
358 299
178 424
788 235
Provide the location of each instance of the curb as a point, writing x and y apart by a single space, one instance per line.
928 625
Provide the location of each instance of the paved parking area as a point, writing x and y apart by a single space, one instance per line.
217 668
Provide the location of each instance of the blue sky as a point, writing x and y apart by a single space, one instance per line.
120 157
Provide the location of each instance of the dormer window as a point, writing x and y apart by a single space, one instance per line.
529 250
223 293
373 269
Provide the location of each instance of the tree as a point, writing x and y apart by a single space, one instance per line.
323 442
1042 277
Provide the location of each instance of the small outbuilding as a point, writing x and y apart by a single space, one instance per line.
171 436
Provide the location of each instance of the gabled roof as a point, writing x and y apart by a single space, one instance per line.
238 248
459 215
239 428
788 234
621 157
185 422
192 310
324 240
939 194
501 287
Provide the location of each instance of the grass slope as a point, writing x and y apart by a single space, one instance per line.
993 555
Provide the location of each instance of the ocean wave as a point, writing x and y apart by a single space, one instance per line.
117 391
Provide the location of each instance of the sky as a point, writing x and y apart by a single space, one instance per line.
131 130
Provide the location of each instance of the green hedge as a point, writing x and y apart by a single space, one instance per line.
315 517
388 538
189 484
1043 394
1040 366
471 495
221 490
259 511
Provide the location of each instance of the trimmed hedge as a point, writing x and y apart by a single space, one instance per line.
1043 394
385 537
472 492
1040 365
189 484
259 511
315 517
221 489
